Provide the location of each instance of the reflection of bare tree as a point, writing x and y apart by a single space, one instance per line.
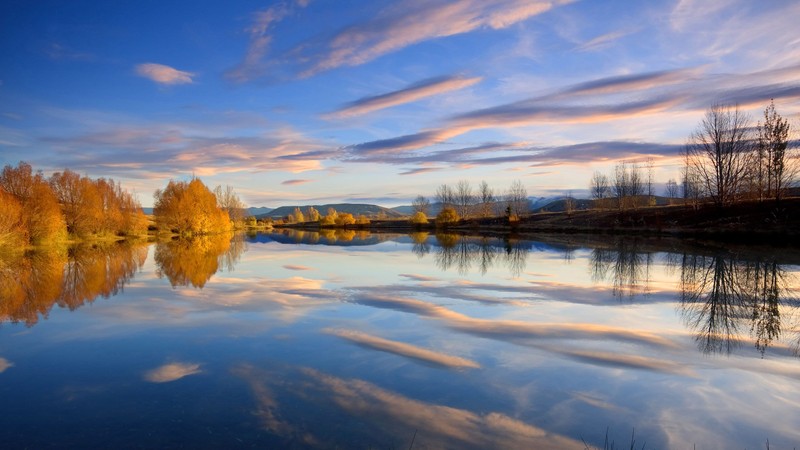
723 296
516 255
31 284
462 252
627 265
194 261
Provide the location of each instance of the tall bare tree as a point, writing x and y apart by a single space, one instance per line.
421 204
517 199
487 199
599 188
229 201
445 196
774 170
464 198
719 153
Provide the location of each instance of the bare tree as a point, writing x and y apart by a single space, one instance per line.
719 153
651 200
487 199
671 190
517 200
774 170
229 201
569 203
421 204
445 196
599 188
464 199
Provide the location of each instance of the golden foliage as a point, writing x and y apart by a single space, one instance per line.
31 284
419 218
13 232
343 219
68 203
447 216
189 209
194 261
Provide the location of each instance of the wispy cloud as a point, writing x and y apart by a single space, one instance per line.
5 364
391 412
61 52
163 150
253 64
417 91
162 74
404 349
601 100
295 182
410 22
604 40
172 372
398 26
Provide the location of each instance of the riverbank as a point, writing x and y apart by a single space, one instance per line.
743 222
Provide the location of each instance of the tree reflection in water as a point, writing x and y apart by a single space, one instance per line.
627 266
32 283
461 252
724 297
194 261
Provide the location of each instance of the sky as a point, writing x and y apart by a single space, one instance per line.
321 101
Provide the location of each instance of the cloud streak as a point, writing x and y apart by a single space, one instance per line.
414 21
5 364
172 372
405 350
417 91
165 75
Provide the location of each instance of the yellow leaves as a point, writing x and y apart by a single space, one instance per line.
189 208
419 218
447 216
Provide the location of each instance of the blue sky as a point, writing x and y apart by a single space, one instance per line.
315 101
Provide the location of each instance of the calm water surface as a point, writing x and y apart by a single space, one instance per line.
346 340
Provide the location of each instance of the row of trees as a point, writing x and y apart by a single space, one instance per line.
628 187
726 159
37 209
463 202
332 218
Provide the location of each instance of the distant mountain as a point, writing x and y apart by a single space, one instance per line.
356 209
252 211
258 210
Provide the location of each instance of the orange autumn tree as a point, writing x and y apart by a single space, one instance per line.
97 206
189 208
40 216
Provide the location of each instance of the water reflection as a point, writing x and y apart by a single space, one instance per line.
723 298
462 252
625 264
194 261
375 417
30 284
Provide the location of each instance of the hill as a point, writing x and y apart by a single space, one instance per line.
356 209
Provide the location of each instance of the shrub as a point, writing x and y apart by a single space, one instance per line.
447 216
